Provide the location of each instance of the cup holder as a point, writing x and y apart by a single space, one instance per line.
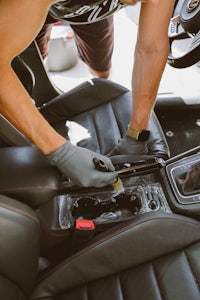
100 210
103 207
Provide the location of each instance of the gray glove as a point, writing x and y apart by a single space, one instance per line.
129 145
77 164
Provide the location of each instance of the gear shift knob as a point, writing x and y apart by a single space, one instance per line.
189 182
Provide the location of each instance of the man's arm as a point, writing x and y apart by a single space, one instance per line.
151 53
20 21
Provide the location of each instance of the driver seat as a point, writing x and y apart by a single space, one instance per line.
100 106
154 256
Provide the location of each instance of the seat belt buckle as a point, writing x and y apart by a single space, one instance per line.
84 230
85 225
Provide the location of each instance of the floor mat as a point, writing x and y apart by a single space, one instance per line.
181 129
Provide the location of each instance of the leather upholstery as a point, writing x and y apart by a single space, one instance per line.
27 176
155 256
24 73
10 136
98 105
19 249
44 89
104 109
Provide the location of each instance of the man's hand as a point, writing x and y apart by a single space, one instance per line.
77 164
129 145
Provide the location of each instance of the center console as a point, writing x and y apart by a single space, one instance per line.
143 193
172 187
150 184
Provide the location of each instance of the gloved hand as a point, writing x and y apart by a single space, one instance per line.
77 164
129 145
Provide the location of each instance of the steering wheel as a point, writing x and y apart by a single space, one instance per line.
184 34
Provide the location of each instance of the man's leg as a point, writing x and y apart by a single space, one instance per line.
95 44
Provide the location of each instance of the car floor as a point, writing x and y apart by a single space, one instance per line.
181 128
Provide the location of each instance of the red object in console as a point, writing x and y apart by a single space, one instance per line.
85 224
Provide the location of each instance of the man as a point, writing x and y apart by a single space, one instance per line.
15 104
94 42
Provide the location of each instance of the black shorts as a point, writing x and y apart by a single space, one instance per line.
94 42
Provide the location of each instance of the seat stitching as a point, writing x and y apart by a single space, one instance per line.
117 233
96 127
87 293
14 283
114 113
192 271
27 188
121 288
157 281
96 132
19 211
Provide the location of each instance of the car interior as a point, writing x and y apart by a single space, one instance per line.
60 241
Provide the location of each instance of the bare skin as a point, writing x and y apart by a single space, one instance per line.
99 74
15 104
151 53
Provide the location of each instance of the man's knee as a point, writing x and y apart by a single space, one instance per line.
99 74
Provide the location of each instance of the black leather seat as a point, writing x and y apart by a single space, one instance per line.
155 256
19 249
101 106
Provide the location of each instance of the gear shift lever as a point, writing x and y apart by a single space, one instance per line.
189 182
